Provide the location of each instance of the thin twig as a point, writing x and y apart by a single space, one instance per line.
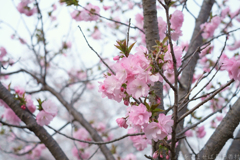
96 52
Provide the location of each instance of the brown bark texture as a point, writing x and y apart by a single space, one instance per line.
28 119
152 34
222 133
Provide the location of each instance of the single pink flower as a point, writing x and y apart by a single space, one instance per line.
19 90
116 58
3 52
49 107
82 134
78 152
11 117
155 155
138 116
138 88
176 20
44 118
106 7
29 103
189 133
96 34
122 122
201 132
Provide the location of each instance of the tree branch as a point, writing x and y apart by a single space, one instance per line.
27 118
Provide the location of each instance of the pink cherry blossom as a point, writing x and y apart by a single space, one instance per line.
225 12
44 118
165 122
137 88
106 7
176 20
76 15
96 34
49 107
23 7
235 13
90 13
162 26
82 134
201 132
130 5
209 28
35 153
219 118
3 52
138 116
101 127
2 103
139 19
130 157
78 152
122 122
206 50
155 155
139 142
176 34
19 90
116 58
235 46
29 103
11 117
158 131
236 70
54 7
189 133
155 132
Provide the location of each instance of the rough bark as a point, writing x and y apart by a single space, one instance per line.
222 133
28 119
152 34
234 150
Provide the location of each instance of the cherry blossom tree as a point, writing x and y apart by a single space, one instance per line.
115 87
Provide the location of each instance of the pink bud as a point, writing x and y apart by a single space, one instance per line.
122 89
167 156
126 102
23 107
116 58
161 156
122 122
155 155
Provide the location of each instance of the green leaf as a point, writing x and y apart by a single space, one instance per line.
165 40
171 3
147 105
158 110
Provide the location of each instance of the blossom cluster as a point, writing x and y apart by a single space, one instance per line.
209 27
25 101
81 148
34 153
87 14
48 112
133 77
23 7
176 21
232 65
